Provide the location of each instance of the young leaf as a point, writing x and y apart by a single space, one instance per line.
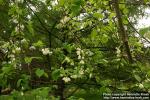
39 72
28 60
38 44
56 74
98 15
93 34
125 21
61 2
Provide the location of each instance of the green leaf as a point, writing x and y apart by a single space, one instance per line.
121 6
30 28
125 21
68 47
56 74
19 82
125 11
40 58
46 75
145 1
93 34
39 43
1 1
112 15
137 77
122 87
78 2
146 85
41 92
103 90
144 30
39 72
98 15
67 59
104 38
106 82
28 60
7 70
61 2
75 9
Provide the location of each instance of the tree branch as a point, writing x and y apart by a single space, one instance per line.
41 23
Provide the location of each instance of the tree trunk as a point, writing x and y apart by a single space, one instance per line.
122 31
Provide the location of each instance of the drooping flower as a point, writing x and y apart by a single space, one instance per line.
22 27
90 53
46 51
22 93
65 19
13 59
141 86
16 50
23 41
79 57
82 57
72 63
67 59
82 51
90 75
78 49
11 56
78 53
66 79
81 72
32 48
15 21
82 62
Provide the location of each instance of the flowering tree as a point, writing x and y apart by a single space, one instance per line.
72 49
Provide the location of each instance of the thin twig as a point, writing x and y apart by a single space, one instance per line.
42 24
137 32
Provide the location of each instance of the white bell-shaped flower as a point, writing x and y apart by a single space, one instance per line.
141 86
32 48
66 79
46 51
82 62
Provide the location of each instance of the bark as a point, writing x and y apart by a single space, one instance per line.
60 90
122 31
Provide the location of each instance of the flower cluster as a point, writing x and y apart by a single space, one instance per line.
12 50
16 50
24 41
12 57
65 19
19 28
66 79
89 53
46 51
80 54
78 74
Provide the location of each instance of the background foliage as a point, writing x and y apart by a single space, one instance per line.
72 49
